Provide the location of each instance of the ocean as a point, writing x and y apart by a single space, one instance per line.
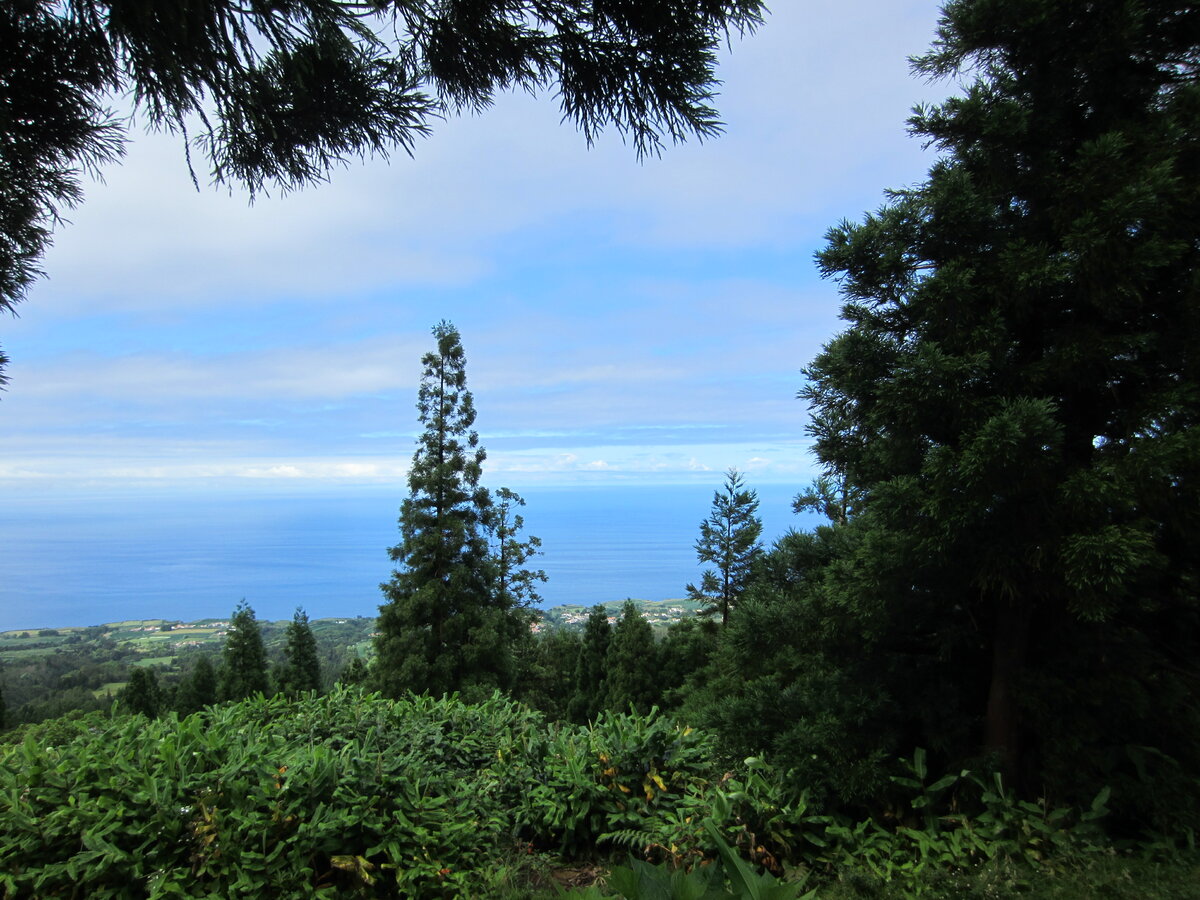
86 560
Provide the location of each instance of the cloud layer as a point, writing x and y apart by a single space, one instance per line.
621 320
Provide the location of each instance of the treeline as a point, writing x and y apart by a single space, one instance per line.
90 669
242 671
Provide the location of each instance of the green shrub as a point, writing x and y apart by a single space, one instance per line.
628 780
353 795
343 795
339 795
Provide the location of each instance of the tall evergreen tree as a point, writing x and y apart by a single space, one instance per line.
588 697
729 540
142 694
302 670
1015 397
547 672
355 672
244 659
198 688
631 666
684 655
445 627
812 672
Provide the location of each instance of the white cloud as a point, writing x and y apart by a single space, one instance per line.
275 472
653 318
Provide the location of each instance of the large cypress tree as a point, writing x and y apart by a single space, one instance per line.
1014 400
244 668
302 671
197 689
142 694
591 667
444 626
632 672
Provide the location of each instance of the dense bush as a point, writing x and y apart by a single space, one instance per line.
353 795
347 794
263 796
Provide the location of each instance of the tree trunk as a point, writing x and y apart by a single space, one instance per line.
1009 646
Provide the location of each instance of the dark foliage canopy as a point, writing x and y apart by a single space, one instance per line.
1008 430
198 688
631 664
591 666
302 670
142 694
244 659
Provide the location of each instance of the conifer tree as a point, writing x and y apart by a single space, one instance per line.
445 626
729 540
142 694
684 655
198 688
302 670
1013 404
355 672
588 696
631 677
547 665
244 659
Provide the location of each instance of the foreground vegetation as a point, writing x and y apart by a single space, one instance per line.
351 794
980 677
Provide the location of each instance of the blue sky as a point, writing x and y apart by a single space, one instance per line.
624 321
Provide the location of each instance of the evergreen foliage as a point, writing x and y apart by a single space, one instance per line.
355 674
142 694
302 670
729 540
244 659
546 671
280 94
1008 420
631 664
590 667
799 676
198 688
685 654
445 626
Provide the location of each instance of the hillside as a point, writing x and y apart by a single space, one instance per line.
158 641
48 672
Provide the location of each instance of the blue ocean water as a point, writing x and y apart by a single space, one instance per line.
91 559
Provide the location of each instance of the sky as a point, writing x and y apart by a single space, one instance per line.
624 321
